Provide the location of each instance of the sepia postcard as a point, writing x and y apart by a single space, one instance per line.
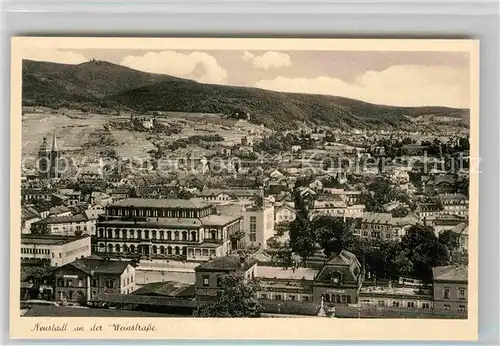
230 188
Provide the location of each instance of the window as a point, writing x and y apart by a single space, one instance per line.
94 283
153 234
327 298
292 297
411 304
162 235
176 235
184 236
425 305
348 299
277 297
108 283
253 228
219 281
205 280
69 283
80 283
461 308
263 295
446 293
305 298
395 304
461 294
447 307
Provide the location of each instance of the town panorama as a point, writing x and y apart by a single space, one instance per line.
144 195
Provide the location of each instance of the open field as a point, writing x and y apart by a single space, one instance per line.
72 132
132 144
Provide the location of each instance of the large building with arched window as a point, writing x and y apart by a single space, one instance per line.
166 228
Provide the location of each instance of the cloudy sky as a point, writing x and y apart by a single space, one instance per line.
392 78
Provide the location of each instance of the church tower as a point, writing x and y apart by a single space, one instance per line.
54 158
43 159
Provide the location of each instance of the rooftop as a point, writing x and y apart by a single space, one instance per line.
50 239
95 264
394 291
461 228
59 209
232 192
450 273
279 273
227 263
193 203
62 219
60 311
165 288
144 300
209 220
290 307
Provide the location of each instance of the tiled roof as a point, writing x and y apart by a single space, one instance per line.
62 219
161 203
101 266
27 214
452 197
461 228
231 192
289 307
49 239
279 273
345 263
59 311
380 218
33 271
167 288
226 263
450 273
59 209
217 220
144 300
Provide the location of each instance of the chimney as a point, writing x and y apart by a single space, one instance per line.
242 262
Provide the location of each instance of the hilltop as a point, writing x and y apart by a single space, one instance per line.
114 87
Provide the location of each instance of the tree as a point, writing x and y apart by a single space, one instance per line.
185 194
424 250
238 298
403 263
449 239
400 211
333 234
302 235
281 254
379 193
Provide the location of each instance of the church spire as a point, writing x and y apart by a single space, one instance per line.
54 142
